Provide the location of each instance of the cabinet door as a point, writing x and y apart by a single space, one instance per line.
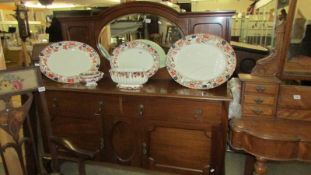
178 148
122 140
79 122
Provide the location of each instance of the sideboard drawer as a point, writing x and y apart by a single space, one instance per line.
295 97
257 110
177 110
73 104
259 99
82 104
261 88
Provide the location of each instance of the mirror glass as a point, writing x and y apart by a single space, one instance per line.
138 26
255 25
298 62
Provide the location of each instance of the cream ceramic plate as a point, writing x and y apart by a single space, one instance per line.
201 61
64 61
136 55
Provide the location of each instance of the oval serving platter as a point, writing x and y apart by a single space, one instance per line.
136 55
64 61
201 61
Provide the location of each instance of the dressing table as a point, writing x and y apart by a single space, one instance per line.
163 126
275 104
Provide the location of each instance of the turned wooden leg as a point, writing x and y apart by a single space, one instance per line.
249 165
260 166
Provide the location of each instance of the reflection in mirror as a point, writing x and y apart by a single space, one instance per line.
256 25
138 26
299 52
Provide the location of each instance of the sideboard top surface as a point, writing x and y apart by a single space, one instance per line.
153 88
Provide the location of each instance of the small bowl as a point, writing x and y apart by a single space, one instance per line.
90 78
128 78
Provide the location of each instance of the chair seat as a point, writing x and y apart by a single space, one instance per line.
272 139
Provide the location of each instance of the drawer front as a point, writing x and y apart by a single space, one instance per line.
173 110
261 88
259 100
294 114
81 104
257 110
295 97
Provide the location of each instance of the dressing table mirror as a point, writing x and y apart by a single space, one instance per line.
297 50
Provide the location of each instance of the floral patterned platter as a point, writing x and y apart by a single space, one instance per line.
136 55
201 61
64 61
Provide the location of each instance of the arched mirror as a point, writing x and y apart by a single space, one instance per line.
139 26
298 54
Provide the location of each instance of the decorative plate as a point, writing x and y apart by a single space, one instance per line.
201 61
136 55
159 49
64 61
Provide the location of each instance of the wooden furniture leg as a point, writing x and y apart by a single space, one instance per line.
249 165
260 166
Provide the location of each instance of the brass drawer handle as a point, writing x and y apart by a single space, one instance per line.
258 100
141 110
257 111
55 103
260 89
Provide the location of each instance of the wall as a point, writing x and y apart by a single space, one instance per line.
237 5
304 7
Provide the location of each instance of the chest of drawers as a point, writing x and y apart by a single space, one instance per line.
259 95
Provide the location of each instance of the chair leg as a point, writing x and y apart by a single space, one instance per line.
260 166
81 167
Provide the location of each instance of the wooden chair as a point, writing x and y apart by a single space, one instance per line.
271 139
13 116
24 82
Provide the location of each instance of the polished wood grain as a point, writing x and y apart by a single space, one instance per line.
294 114
272 139
162 137
153 88
295 97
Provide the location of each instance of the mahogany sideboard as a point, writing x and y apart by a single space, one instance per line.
163 126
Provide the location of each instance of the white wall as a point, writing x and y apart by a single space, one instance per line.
304 6
204 5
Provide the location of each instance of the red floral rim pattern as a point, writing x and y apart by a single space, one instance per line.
66 45
201 39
